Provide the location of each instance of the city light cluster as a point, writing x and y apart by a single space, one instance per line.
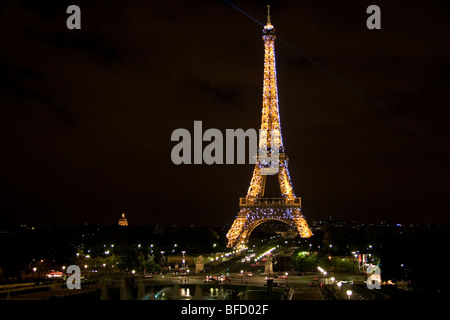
322 271
265 253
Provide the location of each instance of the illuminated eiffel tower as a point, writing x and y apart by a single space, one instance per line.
255 208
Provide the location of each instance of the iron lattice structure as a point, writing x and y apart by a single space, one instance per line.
254 208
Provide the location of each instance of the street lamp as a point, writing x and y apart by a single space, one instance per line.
183 265
349 293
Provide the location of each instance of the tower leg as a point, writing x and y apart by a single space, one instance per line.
236 229
302 226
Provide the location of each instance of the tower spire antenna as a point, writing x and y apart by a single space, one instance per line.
268 14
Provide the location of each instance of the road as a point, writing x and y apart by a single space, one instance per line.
299 286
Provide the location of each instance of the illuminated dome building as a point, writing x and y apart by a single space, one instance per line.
123 221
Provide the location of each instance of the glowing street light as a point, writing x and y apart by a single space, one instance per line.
349 293
323 271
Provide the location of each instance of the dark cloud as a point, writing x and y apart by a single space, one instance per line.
87 115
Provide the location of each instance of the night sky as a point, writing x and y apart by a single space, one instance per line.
86 116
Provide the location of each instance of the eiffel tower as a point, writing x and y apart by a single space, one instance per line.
256 209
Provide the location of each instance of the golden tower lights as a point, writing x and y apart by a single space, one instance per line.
254 208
